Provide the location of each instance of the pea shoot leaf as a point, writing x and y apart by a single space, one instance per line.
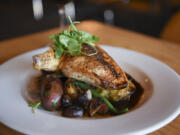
70 41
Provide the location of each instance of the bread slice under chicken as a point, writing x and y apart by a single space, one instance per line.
99 70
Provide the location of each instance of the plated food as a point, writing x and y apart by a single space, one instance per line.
158 109
80 79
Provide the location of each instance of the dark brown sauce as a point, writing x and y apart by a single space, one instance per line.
135 98
134 102
131 104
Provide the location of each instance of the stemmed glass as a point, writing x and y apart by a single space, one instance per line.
65 8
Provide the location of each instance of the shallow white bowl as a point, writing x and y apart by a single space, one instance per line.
161 108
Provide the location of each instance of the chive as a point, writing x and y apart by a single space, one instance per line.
123 111
111 107
84 86
81 85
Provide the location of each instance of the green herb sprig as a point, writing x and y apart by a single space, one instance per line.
70 41
34 106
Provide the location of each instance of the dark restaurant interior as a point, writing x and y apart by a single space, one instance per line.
150 17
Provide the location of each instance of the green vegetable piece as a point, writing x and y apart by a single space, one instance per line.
123 111
85 86
34 106
111 107
82 85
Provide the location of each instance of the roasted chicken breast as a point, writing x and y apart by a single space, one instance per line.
99 70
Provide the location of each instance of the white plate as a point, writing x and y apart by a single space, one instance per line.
159 110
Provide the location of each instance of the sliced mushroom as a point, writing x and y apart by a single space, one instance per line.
97 106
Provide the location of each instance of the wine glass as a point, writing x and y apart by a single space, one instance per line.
65 8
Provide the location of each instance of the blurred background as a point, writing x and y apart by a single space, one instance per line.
157 18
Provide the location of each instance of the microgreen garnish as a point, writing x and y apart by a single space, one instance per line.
70 41
34 106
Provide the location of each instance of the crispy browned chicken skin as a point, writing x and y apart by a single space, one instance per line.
98 70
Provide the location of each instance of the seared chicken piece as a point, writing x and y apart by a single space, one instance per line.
98 70
46 61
